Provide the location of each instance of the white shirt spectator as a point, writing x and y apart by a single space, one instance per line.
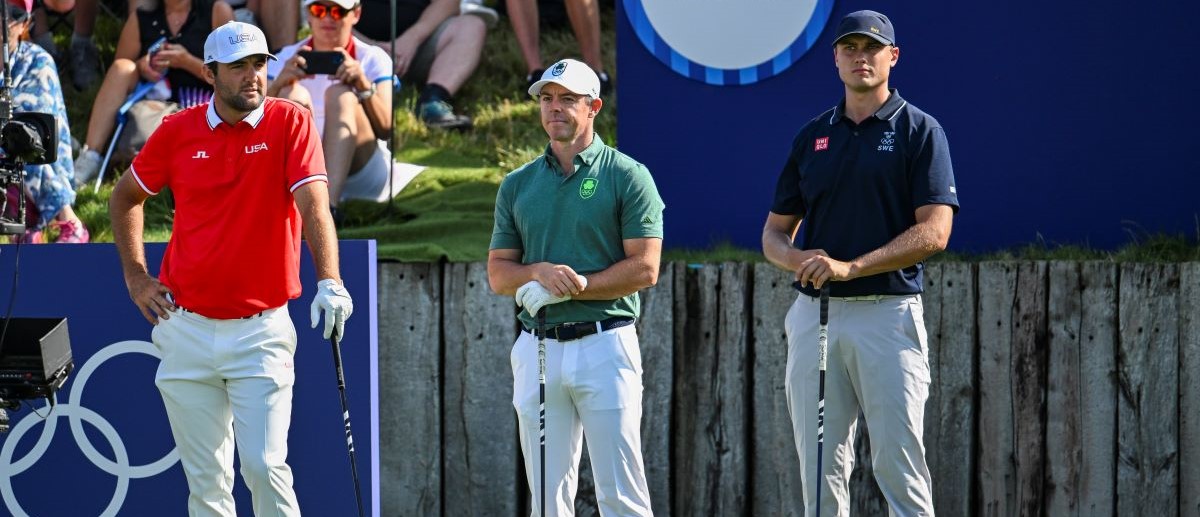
376 65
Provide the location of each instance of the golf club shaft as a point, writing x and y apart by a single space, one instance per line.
541 321
822 351
341 384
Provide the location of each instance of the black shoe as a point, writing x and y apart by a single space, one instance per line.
605 83
338 216
440 115
533 77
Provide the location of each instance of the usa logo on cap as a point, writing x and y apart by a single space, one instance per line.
728 43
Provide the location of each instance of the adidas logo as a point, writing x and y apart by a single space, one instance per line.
647 220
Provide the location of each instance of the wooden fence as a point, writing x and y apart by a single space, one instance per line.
1058 388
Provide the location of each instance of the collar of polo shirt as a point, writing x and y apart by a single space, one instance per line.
252 118
891 107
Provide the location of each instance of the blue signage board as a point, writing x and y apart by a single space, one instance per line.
1065 124
105 447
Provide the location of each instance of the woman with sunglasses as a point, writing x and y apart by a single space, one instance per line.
184 24
36 89
351 100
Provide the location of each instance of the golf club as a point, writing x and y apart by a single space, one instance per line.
541 321
341 384
822 347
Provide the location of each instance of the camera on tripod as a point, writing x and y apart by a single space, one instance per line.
35 353
26 138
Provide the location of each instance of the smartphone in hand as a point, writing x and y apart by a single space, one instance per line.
153 49
322 61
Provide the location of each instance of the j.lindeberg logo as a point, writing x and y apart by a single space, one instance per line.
200 154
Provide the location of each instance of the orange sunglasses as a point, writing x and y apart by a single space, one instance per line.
336 12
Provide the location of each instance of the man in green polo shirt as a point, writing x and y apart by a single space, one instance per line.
578 232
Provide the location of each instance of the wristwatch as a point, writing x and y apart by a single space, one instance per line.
365 94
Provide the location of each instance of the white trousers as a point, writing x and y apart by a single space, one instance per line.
877 362
593 387
227 380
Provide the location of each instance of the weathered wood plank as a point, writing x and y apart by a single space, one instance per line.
997 469
656 336
1029 385
478 413
1189 384
1081 389
410 416
949 303
775 466
1148 369
1012 373
711 388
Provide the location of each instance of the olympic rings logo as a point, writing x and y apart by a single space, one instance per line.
76 414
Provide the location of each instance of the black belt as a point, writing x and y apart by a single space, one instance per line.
573 331
185 309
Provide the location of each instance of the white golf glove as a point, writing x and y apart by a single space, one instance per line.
332 299
532 296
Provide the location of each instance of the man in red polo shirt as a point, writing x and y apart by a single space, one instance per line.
247 174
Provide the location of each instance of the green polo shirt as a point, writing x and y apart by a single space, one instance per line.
580 221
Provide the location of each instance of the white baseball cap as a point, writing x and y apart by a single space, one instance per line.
572 75
344 4
233 41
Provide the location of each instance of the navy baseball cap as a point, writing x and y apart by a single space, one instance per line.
867 23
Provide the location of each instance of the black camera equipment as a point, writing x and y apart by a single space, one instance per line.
35 353
27 138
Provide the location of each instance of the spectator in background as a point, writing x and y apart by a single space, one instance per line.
436 47
84 57
585 21
185 24
280 27
352 108
36 89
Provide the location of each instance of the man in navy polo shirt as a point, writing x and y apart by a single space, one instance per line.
872 182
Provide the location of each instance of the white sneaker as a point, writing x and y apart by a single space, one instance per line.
474 7
87 165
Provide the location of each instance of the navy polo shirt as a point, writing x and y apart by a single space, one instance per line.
857 187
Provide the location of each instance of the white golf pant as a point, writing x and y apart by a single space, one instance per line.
593 387
877 362
227 380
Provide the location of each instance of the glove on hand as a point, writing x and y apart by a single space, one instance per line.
332 299
532 296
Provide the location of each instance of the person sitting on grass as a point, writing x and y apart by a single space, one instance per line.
437 47
352 107
185 24
36 89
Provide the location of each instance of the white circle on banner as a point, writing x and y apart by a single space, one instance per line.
729 34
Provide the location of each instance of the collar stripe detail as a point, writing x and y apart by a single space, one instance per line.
897 112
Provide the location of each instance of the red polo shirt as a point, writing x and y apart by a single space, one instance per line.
235 243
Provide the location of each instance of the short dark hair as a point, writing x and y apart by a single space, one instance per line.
212 66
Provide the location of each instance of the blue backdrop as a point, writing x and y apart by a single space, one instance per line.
1068 121
121 458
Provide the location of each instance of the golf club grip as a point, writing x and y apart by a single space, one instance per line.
337 361
825 304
